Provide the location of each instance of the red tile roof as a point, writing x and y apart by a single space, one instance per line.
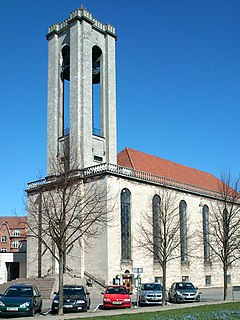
14 222
160 167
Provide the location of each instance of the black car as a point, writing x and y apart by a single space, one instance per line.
183 292
21 300
75 298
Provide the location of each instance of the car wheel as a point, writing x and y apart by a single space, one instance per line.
32 312
40 308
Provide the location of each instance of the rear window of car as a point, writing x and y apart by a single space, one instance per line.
151 287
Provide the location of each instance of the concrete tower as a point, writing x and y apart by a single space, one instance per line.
81 91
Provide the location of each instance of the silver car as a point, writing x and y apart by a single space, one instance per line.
150 293
183 292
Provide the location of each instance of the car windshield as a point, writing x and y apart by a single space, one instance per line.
68 291
19 292
185 285
116 290
151 287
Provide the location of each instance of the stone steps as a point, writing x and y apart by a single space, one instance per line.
46 285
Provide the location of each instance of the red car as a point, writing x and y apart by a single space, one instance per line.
116 297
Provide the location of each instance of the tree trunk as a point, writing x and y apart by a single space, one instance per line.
225 282
164 298
60 277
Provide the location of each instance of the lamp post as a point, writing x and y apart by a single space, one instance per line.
138 271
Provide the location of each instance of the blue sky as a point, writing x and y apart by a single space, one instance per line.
178 83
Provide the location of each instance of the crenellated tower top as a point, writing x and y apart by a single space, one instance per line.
81 14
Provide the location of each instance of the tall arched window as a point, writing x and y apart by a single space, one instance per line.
125 225
156 227
183 230
206 247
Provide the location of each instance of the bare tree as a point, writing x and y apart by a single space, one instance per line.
65 209
224 226
163 233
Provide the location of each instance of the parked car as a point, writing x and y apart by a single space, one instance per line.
116 297
183 292
150 293
20 300
75 298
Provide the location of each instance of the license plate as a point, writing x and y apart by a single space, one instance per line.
12 309
67 306
117 302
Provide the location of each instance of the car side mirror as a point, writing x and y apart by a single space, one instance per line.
102 292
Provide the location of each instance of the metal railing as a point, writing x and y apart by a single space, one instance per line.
136 175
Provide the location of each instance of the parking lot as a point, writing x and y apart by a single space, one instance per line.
209 295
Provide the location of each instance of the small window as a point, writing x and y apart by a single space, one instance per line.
15 244
3 250
3 239
185 278
229 279
97 158
208 280
158 279
16 233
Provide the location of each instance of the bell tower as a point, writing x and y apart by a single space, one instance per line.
81 91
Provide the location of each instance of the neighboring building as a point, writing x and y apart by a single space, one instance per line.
13 232
82 53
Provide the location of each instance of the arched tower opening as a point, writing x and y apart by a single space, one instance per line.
65 77
96 91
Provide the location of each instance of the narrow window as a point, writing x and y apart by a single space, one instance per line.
14 244
125 225
3 239
183 230
208 280
4 250
65 75
229 279
206 247
96 90
156 227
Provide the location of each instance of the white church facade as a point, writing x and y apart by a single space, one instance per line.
81 66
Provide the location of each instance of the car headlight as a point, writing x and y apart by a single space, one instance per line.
127 300
179 293
80 301
55 301
106 299
2 304
25 304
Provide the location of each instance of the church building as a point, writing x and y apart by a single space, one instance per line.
82 122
